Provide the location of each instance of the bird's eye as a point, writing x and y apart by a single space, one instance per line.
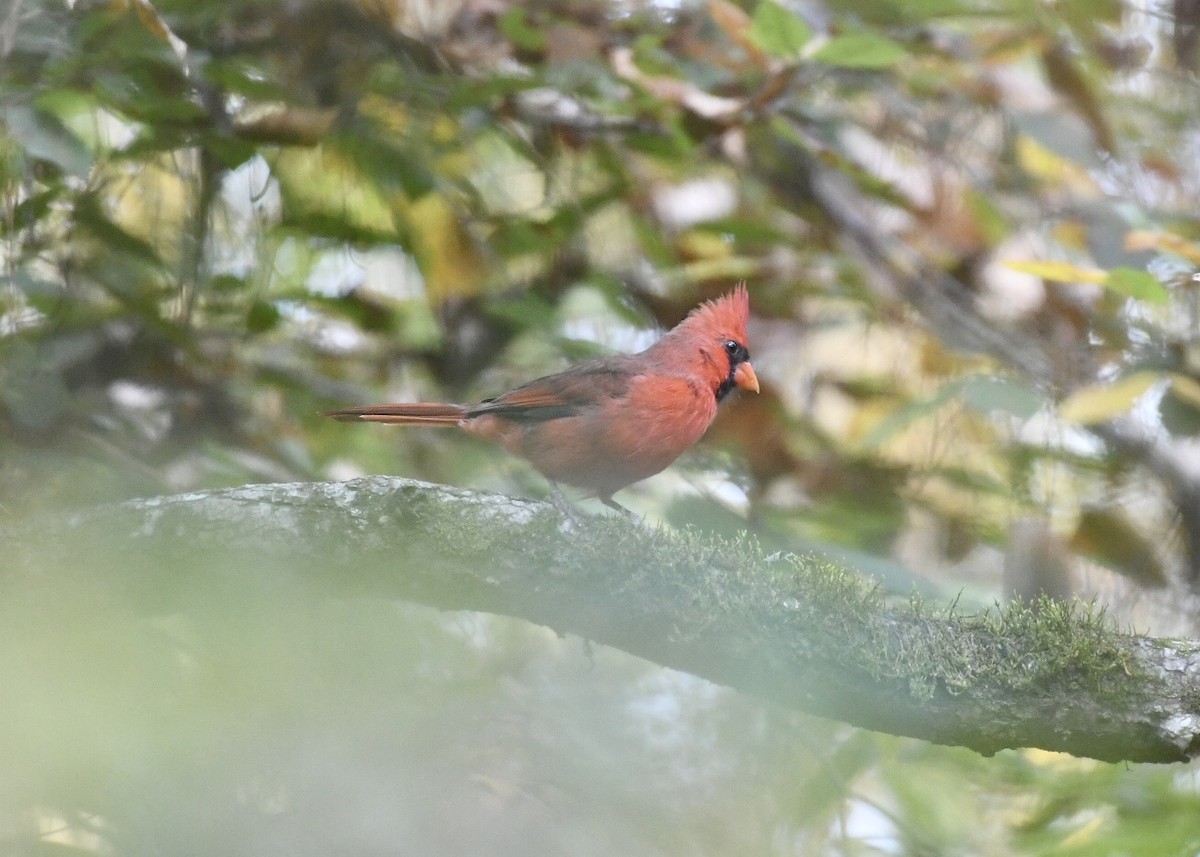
731 347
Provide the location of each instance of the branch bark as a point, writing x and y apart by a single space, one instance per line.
794 631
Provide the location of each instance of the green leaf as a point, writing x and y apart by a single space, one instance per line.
514 24
389 162
226 284
1137 284
990 393
829 784
44 294
262 316
30 211
1180 406
245 75
229 151
860 50
1179 416
471 92
34 395
777 31
988 217
45 138
90 217
983 393
907 414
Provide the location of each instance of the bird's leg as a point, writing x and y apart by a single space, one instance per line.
571 512
564 506
633 517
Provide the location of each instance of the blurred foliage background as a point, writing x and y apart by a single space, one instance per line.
970 235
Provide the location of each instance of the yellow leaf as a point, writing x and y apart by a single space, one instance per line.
1046 166
1059 272
1186 389
1144 239
321 182
1087 832
730 268
1102 402
448 255
735 23
152 21
1071 233
702 244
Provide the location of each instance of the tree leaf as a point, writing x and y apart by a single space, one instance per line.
90 217
515 24
988 217
448 255
860 50
982 393
778 31
990 393
1186 388
1059 272
1163 242
1125 281
907 414
325 193
34 395
1137 284
1102 402
45 138
1042 153
262 316
1179 409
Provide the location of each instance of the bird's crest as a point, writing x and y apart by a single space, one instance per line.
724 316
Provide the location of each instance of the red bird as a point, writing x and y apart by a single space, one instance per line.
607 423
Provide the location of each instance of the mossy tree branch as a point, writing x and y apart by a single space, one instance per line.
794 631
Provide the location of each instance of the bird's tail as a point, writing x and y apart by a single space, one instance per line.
404 414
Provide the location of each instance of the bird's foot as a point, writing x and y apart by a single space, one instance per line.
573 513
565 507
633 517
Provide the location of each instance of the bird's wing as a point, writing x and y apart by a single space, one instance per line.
583 386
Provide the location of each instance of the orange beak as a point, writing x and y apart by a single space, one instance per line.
745 378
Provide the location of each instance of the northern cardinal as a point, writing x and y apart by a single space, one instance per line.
607 423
